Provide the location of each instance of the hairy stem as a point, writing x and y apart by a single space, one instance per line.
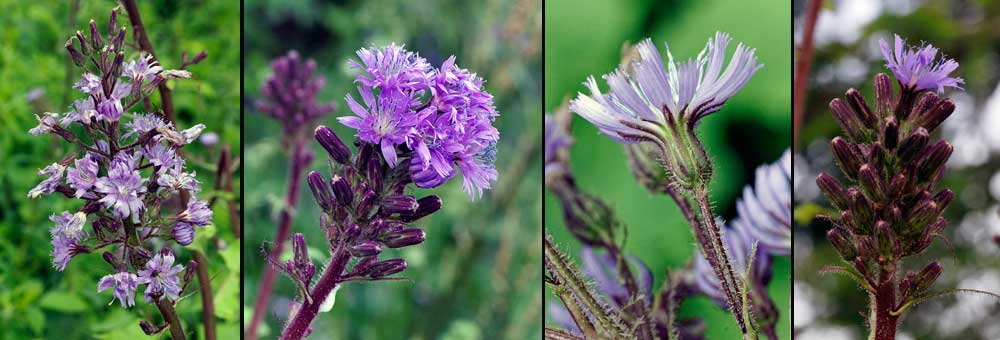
716 249
284 228
139 32
573 283
207 304
802 66
882 303
299 325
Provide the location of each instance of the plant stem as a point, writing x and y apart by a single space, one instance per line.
716 249
299 325
166 308
139 32
299 162
803 64
207 305
882 302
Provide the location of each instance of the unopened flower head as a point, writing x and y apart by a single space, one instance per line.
290 93
919 68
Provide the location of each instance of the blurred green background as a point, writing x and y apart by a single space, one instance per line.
36 301
585 38
478 273
847 55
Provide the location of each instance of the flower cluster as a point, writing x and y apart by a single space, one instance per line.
291 91
891 209
128 174
432 119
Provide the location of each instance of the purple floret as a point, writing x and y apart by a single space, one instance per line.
160 278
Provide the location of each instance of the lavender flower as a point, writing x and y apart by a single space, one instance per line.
123 188
55 175
919 69
392 68
160 278
197 213
83 176
209 139
66 236
83 112
175 179
124 284
386 121
89 84
63 250
142 123
766 208
143 68
183 233
161 156
45 123
290 93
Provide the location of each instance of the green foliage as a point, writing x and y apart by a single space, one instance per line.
478 272
585 38
37 301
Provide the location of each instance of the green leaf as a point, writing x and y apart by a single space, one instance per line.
231 256
227 298
61 301
35 319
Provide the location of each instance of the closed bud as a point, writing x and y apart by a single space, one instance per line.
924 105
189 272
896 186
365 153
890 133
366 248
403 238
843 245
395 204
936 115
84 46
77 57
848 157
333 145
927 276
321 191
861 265
198 58
385 268
944 198
366 203
110 259
913 145
183 233
906 286
425 206
884 99
342 191
867 246
148 328
375 174
95 37
933 161
119 39
876 154
113 19
647 166
925 212
849 122
116 65
351 232
860 107
299 249
871 182
863 211
887 242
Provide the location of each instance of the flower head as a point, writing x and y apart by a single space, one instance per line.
83 176
197 213
386 120
63 250
160 278
918 68
766 208
123 188
143 68
124 283
45 123
89 84
291 92
391 68
83 112
66 235
142 123
183 233
55 173
176 179
645 97
161 156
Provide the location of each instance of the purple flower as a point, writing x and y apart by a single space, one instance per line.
738 245
291 92
557 140
45 123
66 235
83 176
391 68
123 188
161 156
89 84
142 68
124 283
919 69
142 123
386 120
160 278
55 175
643 102
83 111
176 179
766 209
183 233
63 250
197 213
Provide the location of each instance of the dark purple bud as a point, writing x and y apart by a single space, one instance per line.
860 107
95 37
351 232
141 254
862 210
861 265
198 58
884 100
119 38
887 242
84 46
933 160
116 65
867 246
936 115
849 122
890 133
183 233
191 269
366 203
871 182
833 190
925 104
299 250
896 185
113 19
148 328
927 276
333 145
425 206
876 155
396 204
944 198
375 174
92 207
906 285
385 268
913 145
321 190
342 191
848 156
110 259
366 248
925 212
847 221
404 238
77 57
842 244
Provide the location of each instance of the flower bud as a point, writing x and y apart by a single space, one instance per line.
871 182
884 100
395 204
862 210
342 191
927 276
366 248
366 203
77 57
113 18
148 328
876 154
944 198
375 174
425 206
183 233
847 155
936 115
861 109
300 251
404 238
849 122
647 167
321 190
116 64
933 160
887 242
333 145
890 133
385 268
861 265
913 145
119 38
351 232
927 101
84 46
95 37
925 212
110 259
896 186
842 244
833 190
